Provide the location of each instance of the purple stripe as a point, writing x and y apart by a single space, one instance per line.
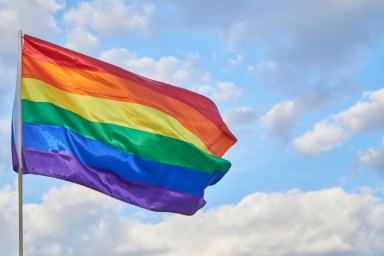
15 161
66 167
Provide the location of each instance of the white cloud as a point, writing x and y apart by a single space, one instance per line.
170 69
115 17
71 212
284 116
8 221
373 157
323 137
5 145
365 116
185 72
8 74
241 116
73 220
281 118
81 40
118 56
5 127
34 17
80 16
222 91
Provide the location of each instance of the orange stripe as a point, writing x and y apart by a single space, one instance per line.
102 85
41 50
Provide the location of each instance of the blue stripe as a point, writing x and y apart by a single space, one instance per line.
127 166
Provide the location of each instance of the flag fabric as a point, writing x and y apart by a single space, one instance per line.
141 141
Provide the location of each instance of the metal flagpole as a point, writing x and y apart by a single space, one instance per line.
20 182
19 139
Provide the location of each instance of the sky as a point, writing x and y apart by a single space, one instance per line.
301 85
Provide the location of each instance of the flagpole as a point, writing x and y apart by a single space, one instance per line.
19 140
20 185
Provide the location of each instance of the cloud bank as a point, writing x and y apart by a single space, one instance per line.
72 220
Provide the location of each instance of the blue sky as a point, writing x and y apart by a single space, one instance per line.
300 83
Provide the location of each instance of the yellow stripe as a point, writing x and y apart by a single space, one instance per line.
101 110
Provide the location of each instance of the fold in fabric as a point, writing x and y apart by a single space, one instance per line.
144 142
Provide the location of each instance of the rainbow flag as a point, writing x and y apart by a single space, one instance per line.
144 142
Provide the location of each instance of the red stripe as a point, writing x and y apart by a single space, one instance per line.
51 53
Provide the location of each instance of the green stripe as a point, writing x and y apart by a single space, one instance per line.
144 144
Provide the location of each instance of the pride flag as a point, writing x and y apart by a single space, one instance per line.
144 142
